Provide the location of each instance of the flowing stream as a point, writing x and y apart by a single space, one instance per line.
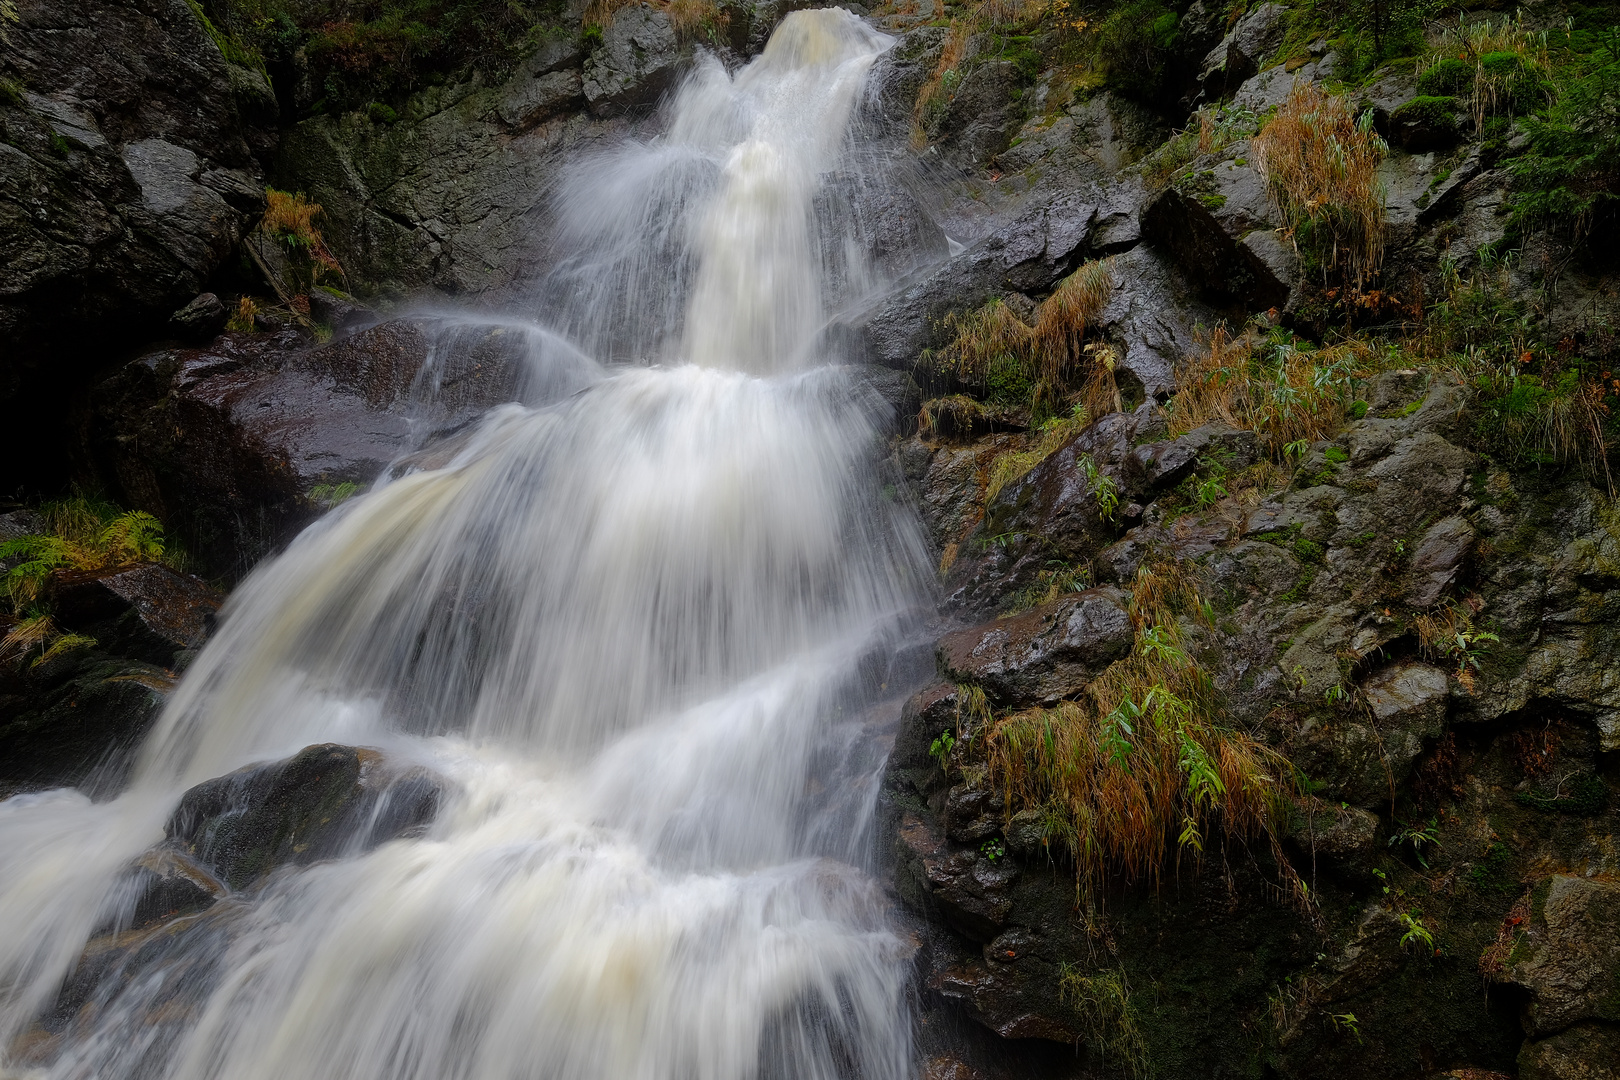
638 626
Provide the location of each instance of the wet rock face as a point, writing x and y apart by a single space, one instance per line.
228 442
324 802
635 62
127 174
74 719
1045 654
179 906
147 612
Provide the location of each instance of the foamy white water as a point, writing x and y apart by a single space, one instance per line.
623 624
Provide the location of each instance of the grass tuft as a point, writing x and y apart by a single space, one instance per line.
1321 166
1141 766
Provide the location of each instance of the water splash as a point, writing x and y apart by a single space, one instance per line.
624 621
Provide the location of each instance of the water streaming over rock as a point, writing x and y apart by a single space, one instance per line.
636 626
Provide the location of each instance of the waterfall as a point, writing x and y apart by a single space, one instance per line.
626 623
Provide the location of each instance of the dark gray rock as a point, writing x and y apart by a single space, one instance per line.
967 889
125 176
74 719
228 442
634 64
1570 960
1217 222
1241 53
1583 1052
325 802
983 115
1045 654
1437 559
147 612
201 319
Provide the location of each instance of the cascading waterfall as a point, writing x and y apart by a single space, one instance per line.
624 624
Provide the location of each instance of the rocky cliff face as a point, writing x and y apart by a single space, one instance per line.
132 163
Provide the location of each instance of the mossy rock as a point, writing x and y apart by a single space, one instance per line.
1426 123
1449 76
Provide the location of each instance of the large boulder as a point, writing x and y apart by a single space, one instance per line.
236 444
323 802
1569 958
1044 654
126 171
1217 222
74 718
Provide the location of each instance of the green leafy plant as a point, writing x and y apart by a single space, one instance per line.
85 534
1346 1022
330 495
1101 485
1417 933
1102 1002
1419 838
993 849
940 749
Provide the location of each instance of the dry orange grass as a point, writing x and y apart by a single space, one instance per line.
1051 351
1140 767
290 218
1293 395
1320 164
601 12
688 17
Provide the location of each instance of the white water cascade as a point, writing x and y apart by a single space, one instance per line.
627 626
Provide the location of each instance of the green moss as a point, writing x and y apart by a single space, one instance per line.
381 114
1281 537
1449 76
1302 587
1435 112
1008 381
1336 455
1490 874
1358 410
1212 201
11 93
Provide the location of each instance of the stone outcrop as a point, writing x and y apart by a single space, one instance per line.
235 442
127 171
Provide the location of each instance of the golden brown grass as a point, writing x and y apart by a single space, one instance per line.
689 17
290 219
39 633
1051 353
1141 766
1320 162
955 416
601 12
241 319
1284 393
